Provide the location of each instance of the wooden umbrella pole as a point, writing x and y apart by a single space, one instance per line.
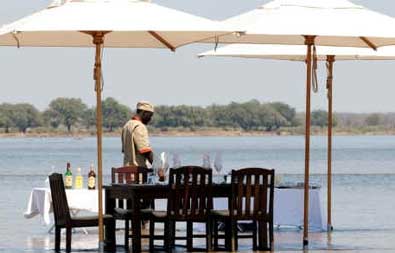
330 60
98 40
309 41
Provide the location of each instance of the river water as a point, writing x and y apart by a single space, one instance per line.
363 167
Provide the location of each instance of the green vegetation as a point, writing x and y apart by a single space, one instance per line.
320 118
67 111
71 115
21 116
114 114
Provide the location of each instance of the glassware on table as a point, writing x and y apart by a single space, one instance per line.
218 167
164 167
218 162
151 179
176 161
156 164
206 161
47 178
278 180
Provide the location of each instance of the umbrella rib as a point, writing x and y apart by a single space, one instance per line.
369 43
162 40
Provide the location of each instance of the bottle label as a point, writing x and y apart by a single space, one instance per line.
91 182
68 181
78 182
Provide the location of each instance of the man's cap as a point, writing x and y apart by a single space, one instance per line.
145 106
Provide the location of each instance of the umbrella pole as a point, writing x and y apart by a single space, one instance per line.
98 41
330 60
309 42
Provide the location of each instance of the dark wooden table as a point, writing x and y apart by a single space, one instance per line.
135 192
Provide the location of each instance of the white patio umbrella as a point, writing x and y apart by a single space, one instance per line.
311 22
108 23
298 53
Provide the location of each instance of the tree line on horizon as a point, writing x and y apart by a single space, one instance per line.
72 113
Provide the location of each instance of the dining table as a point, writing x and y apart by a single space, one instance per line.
288 204
40 203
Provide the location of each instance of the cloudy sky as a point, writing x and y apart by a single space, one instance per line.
38 75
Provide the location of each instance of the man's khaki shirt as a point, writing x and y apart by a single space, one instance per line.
135 143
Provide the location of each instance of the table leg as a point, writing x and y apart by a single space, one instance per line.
136 226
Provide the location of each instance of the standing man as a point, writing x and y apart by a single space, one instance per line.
135 143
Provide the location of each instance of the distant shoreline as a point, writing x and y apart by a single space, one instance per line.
206 133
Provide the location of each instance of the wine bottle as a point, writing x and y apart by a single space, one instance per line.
91 178
68 177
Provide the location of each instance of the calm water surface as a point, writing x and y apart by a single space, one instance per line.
364 168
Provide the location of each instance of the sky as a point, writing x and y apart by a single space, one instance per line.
39 75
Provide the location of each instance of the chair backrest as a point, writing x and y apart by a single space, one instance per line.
128 175
190 195
59 199
250 198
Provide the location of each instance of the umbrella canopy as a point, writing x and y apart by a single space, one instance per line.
108 23
333 22
311 22
130 23
298 52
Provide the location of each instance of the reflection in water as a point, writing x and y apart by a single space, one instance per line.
39 242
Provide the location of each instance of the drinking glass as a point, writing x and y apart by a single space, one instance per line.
176 161
218 162
163 167
218 166
164 162
206 161
156 164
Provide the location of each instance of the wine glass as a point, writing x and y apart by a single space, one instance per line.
206 161
164 161
218 162
156 164
176 161
218 165
47 178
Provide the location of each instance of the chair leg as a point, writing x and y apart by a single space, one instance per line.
233 238
228 235
68 239
110 237
174 231
271 237
214 224
152 235
262 235
254 236
57 238
112 234
209 239
126 234
189 236
168 236
236 236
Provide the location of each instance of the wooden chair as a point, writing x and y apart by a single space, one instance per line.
251 202
128 175
63 218
189 201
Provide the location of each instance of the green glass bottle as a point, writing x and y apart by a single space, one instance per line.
68 177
